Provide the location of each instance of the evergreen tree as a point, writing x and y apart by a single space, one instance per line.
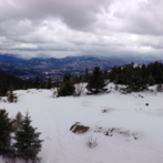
66 88
36 83
28 144
137 78
135 84
105 74
113 73
96 83
3 88
11 96
151 80
18 121
49 84
43 85
5 133
86 78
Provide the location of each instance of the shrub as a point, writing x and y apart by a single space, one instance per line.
159 88
11 97
91 142
79 88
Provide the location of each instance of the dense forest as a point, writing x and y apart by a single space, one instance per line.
137 78
134 77
8 82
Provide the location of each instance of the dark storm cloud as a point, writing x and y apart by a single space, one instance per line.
71 27
75 13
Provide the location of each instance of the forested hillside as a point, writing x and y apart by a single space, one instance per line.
7 79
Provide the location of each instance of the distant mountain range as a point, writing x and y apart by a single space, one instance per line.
56 68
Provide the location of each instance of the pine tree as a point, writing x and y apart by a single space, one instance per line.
86 78
49 84
151 80
135 84
3 87
28 144
18 121
5 133
37 83
66 88
113 73
96 83
11 96
43 85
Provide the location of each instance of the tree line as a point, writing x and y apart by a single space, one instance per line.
7 81
136 78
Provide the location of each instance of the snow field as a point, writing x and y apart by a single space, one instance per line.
128 132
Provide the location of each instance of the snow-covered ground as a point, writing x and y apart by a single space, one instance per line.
125 129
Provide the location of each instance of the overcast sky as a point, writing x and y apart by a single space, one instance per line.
59 28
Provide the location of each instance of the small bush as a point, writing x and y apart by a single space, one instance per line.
4 101
159 88
116 88
141 96
54 94
11 97
91 142
79 88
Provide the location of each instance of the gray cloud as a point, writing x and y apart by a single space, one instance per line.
99 27
75 14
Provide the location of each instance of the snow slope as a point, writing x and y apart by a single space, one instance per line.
125 129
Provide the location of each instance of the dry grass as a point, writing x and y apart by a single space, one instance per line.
91 142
